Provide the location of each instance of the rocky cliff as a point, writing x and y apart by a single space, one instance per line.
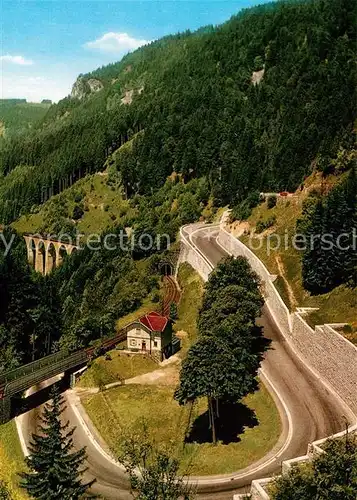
82 87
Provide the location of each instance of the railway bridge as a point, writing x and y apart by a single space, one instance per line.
46 254
20 379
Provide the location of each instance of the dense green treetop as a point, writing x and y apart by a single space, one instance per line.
331 475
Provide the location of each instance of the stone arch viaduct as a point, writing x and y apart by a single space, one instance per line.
46 254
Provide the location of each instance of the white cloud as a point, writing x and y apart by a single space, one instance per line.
16 60
116 43
35 88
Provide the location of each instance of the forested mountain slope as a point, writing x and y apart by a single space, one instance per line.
18 116
197 100
30 310
94 287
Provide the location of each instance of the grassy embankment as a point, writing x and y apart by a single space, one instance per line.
192 291
337 306
11 460
120 412
121 366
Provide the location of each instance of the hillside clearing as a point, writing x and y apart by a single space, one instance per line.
103 206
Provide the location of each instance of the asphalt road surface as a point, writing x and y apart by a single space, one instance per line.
314 413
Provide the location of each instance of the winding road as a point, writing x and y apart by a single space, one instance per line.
308 410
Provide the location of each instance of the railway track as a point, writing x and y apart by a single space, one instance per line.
172 294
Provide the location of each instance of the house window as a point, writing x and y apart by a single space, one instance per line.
138 330
133 342
155 343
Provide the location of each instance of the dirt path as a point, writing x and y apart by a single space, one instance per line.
167 375
292 298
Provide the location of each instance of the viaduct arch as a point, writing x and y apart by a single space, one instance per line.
45 254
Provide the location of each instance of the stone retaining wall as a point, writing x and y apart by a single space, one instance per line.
332 356
189 254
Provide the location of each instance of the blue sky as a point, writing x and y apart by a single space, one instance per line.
46 44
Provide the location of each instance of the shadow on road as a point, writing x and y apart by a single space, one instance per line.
233 418
21 405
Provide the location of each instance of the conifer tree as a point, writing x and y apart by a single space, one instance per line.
314 268
55 470
331 258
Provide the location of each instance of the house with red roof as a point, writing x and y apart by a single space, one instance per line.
152 333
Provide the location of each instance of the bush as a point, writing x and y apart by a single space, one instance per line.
315 192
173 310
263 225
271 201
347 328
4 492
78 197
77 212
240 212
244 209
331 475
